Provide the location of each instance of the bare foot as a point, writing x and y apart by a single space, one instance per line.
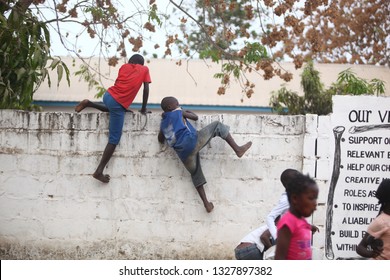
241 151
101 177
81 105
209 207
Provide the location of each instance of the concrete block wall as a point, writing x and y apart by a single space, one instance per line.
52 208
316 162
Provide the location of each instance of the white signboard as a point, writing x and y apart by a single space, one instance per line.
361 160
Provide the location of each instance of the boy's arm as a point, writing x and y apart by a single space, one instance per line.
161 137
190 115
363 250
278 210
145 99
265 238
270 220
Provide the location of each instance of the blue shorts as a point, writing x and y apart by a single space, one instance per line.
117 118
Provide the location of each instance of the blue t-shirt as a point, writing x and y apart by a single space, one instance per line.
179 133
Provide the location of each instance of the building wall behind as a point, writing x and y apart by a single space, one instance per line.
193 82
52 208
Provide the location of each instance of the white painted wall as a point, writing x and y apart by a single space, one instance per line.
51 207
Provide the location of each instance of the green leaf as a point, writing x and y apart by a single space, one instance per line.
219 75
54 63
153 16
20 73
67 72
48 80
47 35
60 72
236 72
255 52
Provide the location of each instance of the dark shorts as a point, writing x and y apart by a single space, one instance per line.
250 252
192 163
117 118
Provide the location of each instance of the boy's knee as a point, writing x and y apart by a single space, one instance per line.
223 130
114 138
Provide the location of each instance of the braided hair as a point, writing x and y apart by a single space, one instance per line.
383 194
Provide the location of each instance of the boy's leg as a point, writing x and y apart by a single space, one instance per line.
219 129
239 150
192 164
207 204
246 251
107 154
117 117
86 103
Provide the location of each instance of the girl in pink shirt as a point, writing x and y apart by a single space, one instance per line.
294 232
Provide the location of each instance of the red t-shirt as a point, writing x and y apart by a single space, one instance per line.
127 84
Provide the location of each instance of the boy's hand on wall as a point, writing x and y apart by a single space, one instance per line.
161 137
144 111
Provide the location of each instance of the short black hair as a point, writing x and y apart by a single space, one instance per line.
383 191
166 101
137 59
288 175
299 184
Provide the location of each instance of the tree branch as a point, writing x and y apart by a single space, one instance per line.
22 5
209 39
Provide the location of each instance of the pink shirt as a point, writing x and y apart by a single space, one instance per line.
380 228
300 243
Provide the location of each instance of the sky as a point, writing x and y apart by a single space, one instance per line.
89 47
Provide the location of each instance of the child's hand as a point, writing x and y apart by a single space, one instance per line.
144 111
377 252
161 137
376 246
314 229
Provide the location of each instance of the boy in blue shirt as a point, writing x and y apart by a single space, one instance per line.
187 141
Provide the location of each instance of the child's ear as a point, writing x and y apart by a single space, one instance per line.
171 107
293 199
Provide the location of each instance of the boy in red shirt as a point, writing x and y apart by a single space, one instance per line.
117 99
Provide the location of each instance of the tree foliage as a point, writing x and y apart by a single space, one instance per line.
339 31
349 83
114 27
24 56
244 36
27 27
318 100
